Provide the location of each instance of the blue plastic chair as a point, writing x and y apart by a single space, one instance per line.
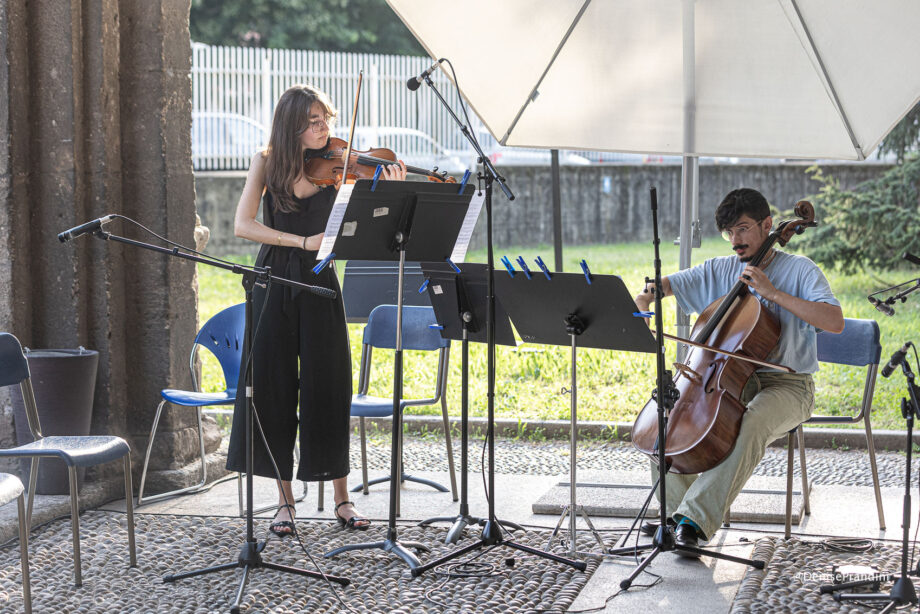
380 332
857 346
223 336
75 451
11 488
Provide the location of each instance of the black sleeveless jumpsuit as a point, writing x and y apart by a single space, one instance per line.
297 324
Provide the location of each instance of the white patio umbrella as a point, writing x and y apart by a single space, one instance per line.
746 78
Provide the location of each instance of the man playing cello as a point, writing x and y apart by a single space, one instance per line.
795 290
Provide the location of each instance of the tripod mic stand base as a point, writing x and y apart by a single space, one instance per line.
492 537
902 593
399 548
458 526
664 542
251 558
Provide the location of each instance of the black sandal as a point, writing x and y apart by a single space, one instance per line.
351 523
278 526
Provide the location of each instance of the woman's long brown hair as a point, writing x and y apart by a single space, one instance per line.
285 157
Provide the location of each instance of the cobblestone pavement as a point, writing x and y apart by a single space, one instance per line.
171 544
825 466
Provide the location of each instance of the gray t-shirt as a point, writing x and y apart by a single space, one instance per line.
697 287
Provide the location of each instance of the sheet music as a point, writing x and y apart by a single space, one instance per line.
466 230
335 220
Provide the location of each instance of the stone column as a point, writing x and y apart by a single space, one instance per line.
95 116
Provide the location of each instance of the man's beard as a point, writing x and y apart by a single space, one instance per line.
735 249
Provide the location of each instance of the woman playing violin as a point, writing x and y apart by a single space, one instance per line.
301 354
795 290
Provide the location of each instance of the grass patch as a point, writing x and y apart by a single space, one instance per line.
613 386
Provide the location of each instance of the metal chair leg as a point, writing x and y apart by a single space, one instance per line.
153 431
801 437
33 482
790 459
24 554
129 506
363 455
320 495
75 524
188 489
870 443
450 449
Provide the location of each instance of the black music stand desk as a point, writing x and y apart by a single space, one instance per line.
399 221
568 310
459 302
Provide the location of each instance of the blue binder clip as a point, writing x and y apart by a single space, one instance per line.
643 314
587 271
543 268
508 266
423 287
453 266
376 177
523 265
466 177
322 263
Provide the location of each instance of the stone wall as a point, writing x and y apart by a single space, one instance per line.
600 203
95 117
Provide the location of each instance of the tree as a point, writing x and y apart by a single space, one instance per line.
904 137
364 26
871 225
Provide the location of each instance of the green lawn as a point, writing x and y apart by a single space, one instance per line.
612 385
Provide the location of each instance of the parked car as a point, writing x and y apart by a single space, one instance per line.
225 140
412 146
517 156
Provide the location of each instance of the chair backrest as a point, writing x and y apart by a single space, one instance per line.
13 364
14 369
380 331
858 345
223 336
369 283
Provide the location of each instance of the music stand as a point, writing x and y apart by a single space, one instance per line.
568 309
399 220
460 303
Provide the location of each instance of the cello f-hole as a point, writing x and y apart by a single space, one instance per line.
712 371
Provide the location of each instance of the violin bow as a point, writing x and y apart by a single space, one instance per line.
351 131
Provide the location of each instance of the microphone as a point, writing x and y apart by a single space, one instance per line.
885 308
414 83
321 291
896 359
82 229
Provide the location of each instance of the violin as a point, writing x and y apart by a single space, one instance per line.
728 338
324 167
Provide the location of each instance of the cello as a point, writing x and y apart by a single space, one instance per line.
729 338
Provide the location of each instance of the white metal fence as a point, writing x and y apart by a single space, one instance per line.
234 90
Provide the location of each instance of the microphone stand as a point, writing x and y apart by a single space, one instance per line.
903 591
665 395
492 530
891 300
250 555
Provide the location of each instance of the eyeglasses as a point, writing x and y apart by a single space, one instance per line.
319 125
729 233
